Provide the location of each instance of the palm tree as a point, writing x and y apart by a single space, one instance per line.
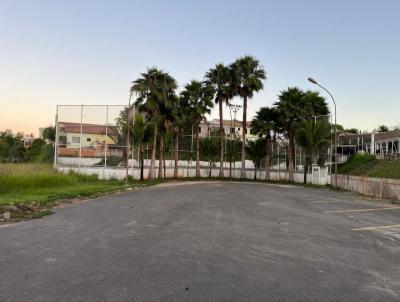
142 134
291 110
123 136
315 105
266 124
153 89
177 118
256 152
197 99
231 154
312 136
219 78
248 76
209 147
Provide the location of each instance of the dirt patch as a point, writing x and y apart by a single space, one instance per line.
18 212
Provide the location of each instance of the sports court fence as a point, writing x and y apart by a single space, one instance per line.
92 136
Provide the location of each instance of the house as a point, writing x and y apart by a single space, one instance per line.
71 134
91 140
232 128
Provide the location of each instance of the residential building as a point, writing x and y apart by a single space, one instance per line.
88 140
86 135
232 128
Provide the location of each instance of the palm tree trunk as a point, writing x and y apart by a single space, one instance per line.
230 169
197 150
267 159
209 172
306 170
141 161
222 138
244 128
290 154
161 159
153 154
164 167
176 154
255 172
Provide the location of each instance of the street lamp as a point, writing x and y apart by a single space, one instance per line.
334 129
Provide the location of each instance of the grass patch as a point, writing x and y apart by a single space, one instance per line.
41 184
368 165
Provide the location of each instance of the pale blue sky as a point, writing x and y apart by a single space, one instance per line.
89 51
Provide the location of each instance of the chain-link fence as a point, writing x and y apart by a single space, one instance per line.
95 137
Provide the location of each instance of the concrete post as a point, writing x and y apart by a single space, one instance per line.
372 144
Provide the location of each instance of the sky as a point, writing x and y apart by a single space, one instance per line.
88 52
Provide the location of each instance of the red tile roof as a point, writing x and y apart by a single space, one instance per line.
69 127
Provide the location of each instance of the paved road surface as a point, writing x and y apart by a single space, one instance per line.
206 242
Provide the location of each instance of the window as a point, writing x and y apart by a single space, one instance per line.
76 139
199 130
232 130
88 139
238 129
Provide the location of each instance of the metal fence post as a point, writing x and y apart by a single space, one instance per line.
56 141
80 139
106 144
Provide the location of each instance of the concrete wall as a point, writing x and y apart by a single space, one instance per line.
119 173
376 187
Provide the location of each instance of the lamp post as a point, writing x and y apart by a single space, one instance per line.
128 139
334 129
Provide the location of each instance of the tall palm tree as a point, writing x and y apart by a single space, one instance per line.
313 137
291 109
248 76
266 124
153 89
197 99
220 78
256 151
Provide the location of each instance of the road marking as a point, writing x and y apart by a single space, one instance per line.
364 210
377 227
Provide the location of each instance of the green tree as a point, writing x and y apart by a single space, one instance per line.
209 147
122 139
154 89
313 137
248 76
266 124
291 110
142 131
382 128
256 152
197 99
49 133
232 153
220 79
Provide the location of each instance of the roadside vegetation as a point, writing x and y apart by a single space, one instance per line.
31 190
368 165
41 183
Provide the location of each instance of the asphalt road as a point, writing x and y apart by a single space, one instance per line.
206 242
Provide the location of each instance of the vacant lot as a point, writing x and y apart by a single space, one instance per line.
40 183
207 242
